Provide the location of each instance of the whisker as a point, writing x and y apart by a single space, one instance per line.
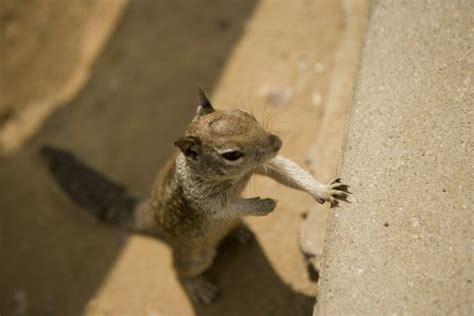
253 185
264 121
270 118
274 126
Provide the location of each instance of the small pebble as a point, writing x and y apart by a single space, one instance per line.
386 224
279 96
319 68
303 63
317 99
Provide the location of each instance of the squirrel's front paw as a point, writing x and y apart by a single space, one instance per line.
263 207
333 192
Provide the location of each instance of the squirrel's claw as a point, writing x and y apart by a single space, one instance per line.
201 290
334 192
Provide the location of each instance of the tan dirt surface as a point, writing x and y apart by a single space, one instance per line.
273 58
47 48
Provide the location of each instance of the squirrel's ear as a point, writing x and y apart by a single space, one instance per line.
190 146
205 106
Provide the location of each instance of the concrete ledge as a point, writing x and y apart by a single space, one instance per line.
404 246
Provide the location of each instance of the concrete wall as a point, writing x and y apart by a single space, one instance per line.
404 245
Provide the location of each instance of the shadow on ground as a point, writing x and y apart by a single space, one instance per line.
141 95
250 286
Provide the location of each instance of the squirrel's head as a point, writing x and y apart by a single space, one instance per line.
226 144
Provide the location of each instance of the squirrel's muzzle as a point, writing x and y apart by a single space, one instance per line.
275 142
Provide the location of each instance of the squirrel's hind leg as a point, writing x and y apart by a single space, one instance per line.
190 264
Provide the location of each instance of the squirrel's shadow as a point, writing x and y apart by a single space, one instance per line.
250 286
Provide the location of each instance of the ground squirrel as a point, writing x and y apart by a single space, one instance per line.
196 200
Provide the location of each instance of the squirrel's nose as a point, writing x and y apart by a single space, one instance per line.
275 142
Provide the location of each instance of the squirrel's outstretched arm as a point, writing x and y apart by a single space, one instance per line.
290 174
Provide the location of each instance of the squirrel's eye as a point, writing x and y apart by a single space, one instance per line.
232 155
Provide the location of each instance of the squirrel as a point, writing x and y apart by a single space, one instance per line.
196 199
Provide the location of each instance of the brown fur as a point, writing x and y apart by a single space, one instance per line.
196 201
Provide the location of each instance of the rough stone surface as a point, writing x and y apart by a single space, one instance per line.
405 244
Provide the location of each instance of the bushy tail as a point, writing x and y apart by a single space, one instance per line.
90 189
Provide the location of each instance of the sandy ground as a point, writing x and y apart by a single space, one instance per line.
47 49
273 58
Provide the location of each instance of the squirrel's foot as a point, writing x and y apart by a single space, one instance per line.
243 234
262 207
333 192
200 290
